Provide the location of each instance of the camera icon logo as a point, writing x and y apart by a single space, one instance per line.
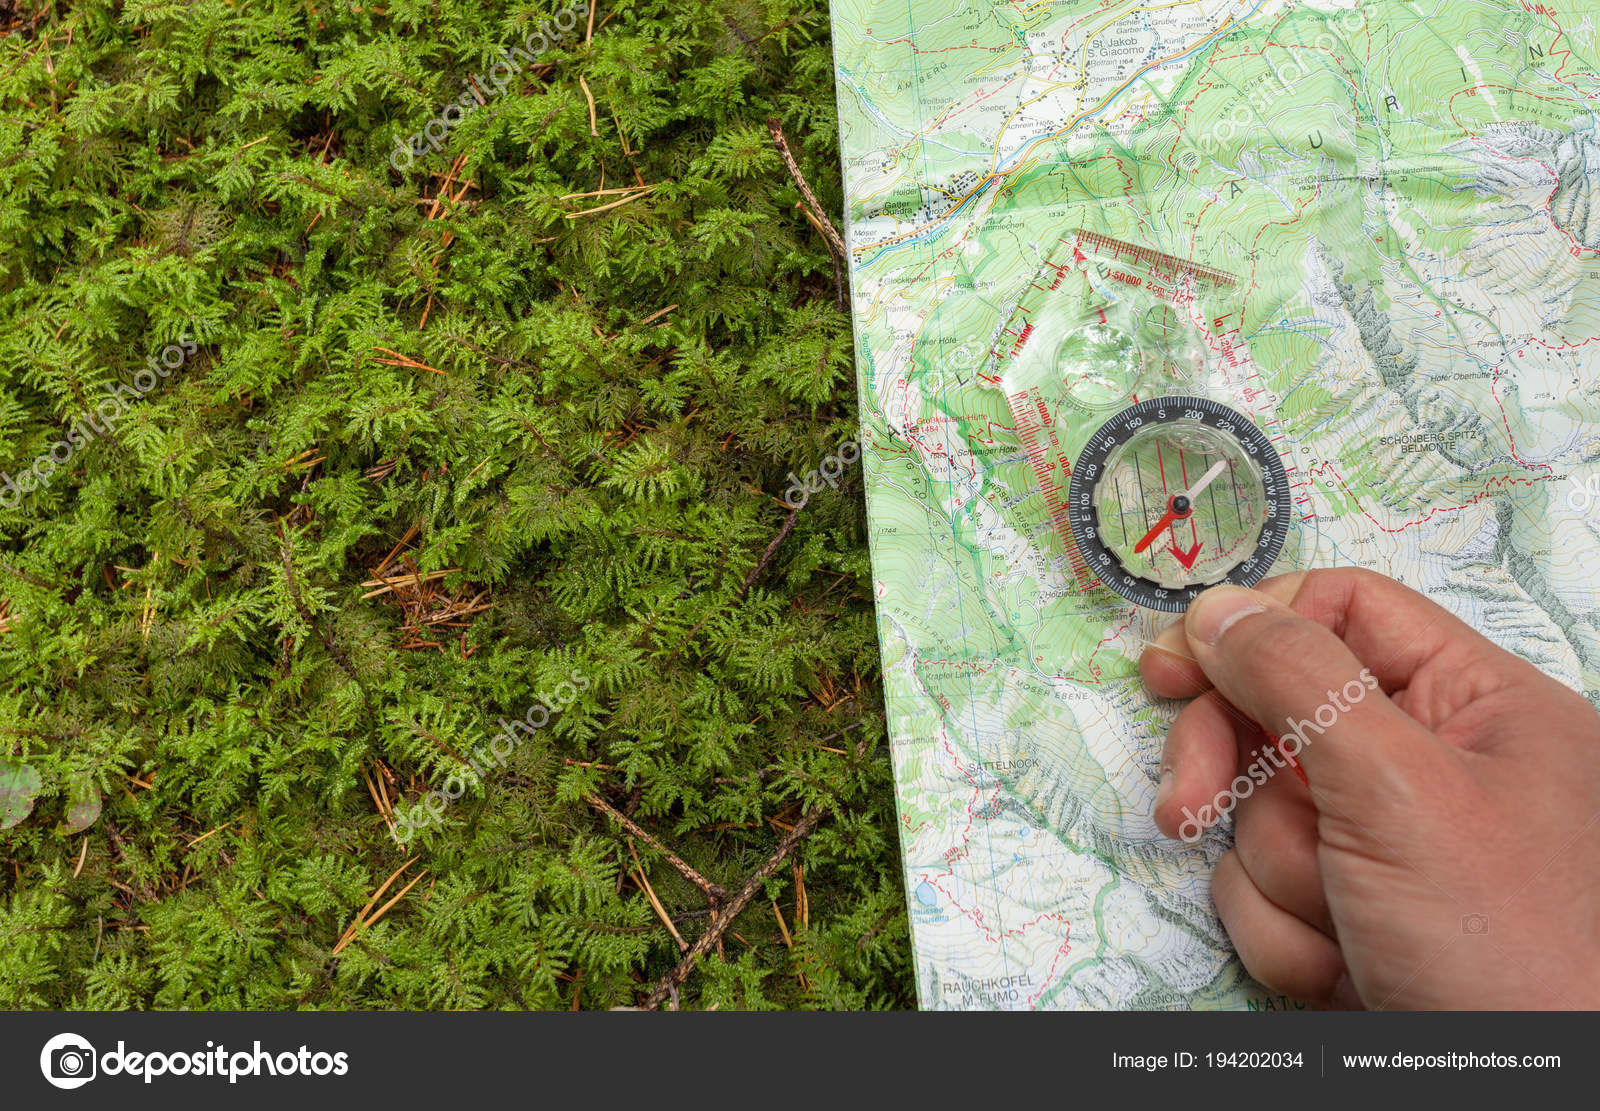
68 1061
1474 923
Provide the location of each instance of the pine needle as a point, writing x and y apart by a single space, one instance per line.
362 921
587 95
645 192
655 903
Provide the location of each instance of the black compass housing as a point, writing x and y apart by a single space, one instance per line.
1091 467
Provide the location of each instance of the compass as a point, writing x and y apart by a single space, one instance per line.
1175 494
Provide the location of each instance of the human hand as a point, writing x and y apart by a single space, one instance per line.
1446 853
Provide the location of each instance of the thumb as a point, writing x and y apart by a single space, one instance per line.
1298 680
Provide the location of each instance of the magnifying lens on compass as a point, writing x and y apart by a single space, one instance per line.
1175 494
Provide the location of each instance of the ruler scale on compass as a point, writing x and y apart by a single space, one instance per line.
1150 262
1028 410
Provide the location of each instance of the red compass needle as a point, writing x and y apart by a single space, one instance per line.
1160 526
1179 508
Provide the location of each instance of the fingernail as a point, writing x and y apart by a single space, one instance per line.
1164 788
1216 610
1170 640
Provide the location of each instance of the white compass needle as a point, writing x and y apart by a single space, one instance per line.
1217 468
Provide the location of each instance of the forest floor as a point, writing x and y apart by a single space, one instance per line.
401 605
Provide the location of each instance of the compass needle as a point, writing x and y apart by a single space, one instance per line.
1205 480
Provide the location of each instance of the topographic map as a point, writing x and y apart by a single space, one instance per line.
1405 199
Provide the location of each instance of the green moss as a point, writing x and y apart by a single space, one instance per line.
586 431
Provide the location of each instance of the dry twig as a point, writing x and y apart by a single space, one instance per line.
723 918
814 212
712 890
669 983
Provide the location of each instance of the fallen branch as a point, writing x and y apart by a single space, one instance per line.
703 945
772 549
723 917
712 890
814 211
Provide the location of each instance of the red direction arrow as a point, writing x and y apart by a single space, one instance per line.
1186 558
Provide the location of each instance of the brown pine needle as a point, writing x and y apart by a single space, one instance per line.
637 193
401 894
385 585
444 185
655 903
208 833
377 799
385 807
83 854
658 314
378 894
295 460
788 942
388 559
587 95
410 365
601 192
362 921
149 612
404 360
810 219
623 135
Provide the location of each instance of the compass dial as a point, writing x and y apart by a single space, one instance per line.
1176 494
